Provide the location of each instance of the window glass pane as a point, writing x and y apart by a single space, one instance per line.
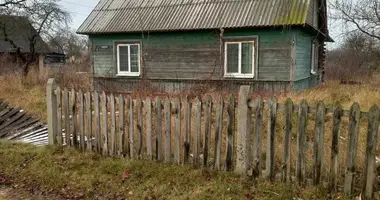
134 58
232 58
123 58
246 58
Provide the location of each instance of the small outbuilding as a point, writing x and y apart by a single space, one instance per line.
272 45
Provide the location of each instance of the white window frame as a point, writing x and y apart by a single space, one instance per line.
312 71
239 74
129 73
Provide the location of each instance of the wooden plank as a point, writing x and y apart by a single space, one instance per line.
230 132
89 121
113 125
353 131
158 129
139 127
187 130
333 181
59 116
301 142
370 171
51 111
104 138
218 132
131 138
243 134
206 144
81 120
178 136
167 111
286 162
257 144
74 118
121 125
318 149
271 138
149 143
198 131
98 140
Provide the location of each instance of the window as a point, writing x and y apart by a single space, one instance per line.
314 58
128 59
239 59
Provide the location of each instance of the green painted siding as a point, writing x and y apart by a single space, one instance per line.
196 55
274 52
303 55
192 55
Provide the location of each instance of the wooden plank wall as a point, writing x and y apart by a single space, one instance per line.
223 134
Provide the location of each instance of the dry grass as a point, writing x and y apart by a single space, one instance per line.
29 92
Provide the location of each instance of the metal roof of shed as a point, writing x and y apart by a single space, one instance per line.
117 16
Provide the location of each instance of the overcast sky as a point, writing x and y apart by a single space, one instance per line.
81 9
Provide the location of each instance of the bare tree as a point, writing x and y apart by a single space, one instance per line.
69 43
45 16
363 15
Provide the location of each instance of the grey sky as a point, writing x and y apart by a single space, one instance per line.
79 10
82 8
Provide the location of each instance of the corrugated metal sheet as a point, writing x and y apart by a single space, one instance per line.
113 16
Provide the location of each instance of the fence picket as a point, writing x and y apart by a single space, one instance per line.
206 141
149 144
230 132
89 121
198 127
301 143
318 142
243 134
81 119
167 111
131 139
113 126
370 156
139 127
74 118
286 164
218 132
98 140
59 116
67 116
353 132
158 129
271 138
257 160
104 137
333 184
187 130
177 153
121 126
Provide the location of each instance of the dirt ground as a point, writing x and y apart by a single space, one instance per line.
8 193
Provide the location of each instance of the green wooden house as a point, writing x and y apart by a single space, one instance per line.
273 45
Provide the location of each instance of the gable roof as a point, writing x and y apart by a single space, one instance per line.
19 30
117 16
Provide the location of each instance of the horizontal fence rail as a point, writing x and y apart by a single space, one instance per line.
261 139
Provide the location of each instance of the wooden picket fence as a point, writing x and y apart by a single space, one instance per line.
161 130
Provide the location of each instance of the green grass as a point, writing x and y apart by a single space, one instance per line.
67 173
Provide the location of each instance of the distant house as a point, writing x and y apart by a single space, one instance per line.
273 45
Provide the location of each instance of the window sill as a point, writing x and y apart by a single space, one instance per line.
238 76
128 74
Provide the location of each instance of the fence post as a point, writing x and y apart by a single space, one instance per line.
370 156
52 111
243 134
